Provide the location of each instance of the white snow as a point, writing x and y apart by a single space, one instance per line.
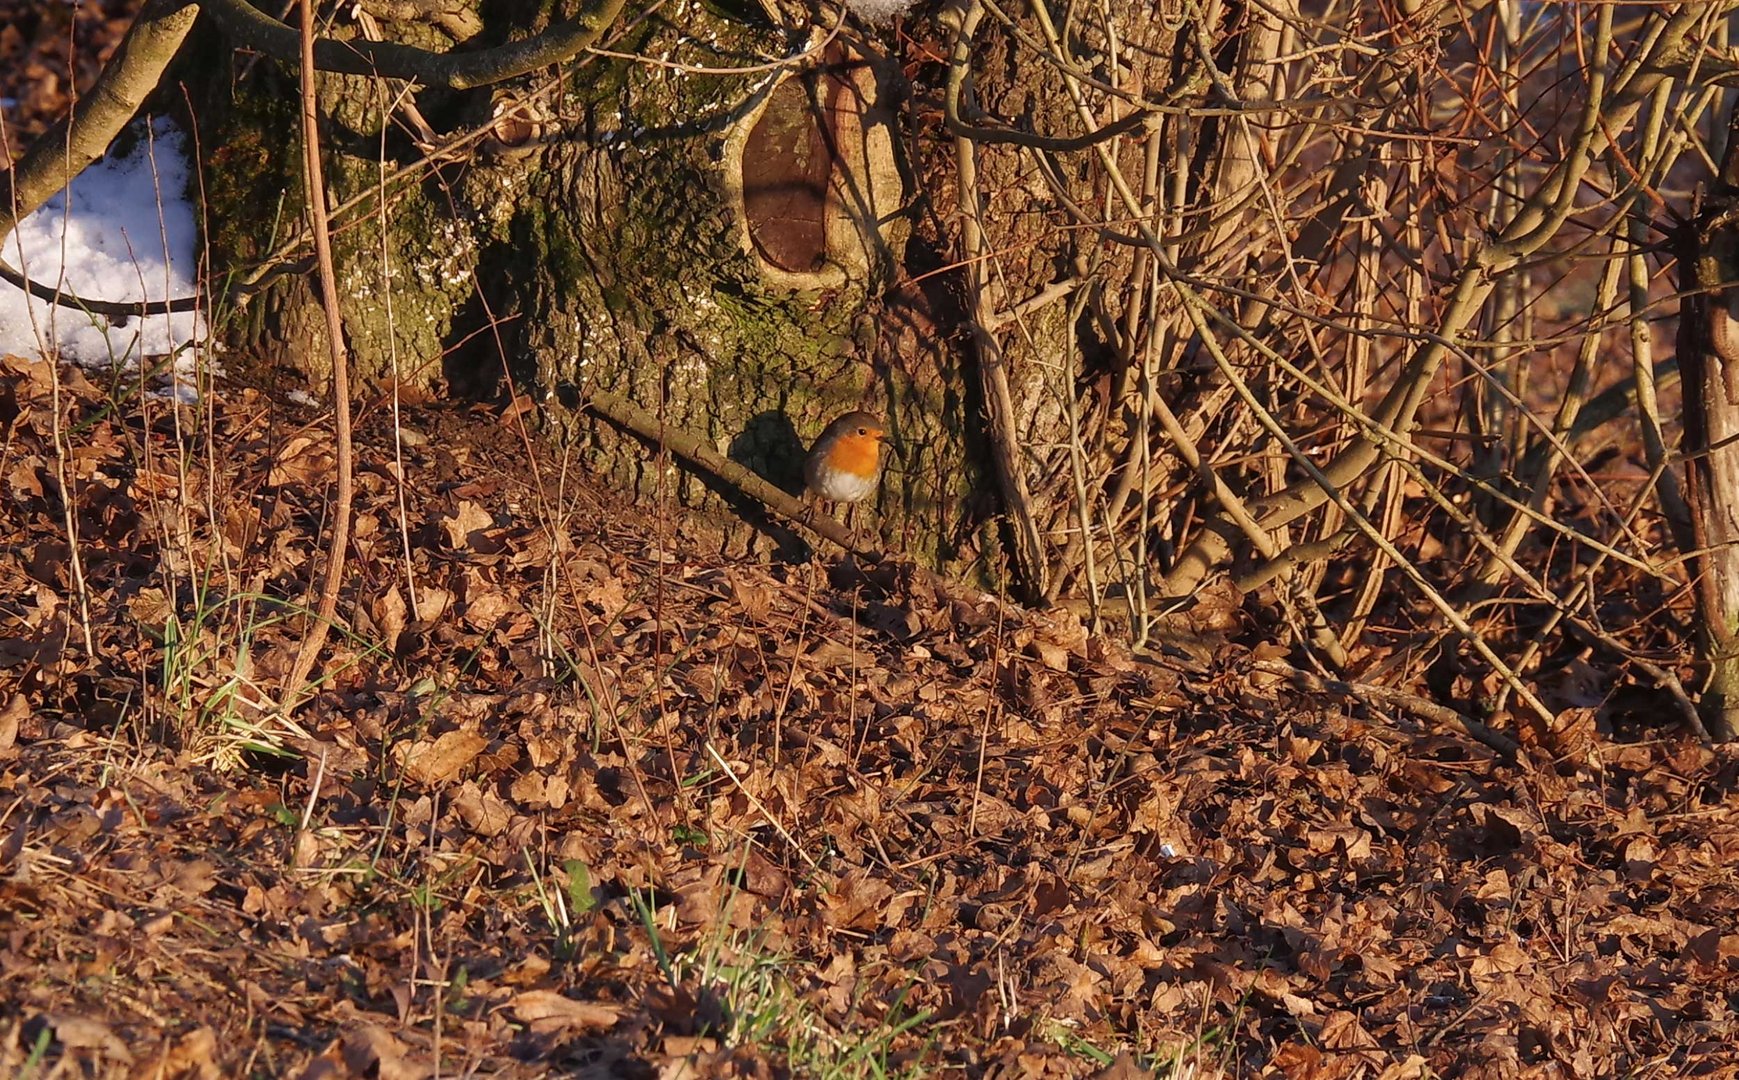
123 230
879 12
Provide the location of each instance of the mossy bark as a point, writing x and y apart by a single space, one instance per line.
603 249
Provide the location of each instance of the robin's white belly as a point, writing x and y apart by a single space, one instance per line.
839 485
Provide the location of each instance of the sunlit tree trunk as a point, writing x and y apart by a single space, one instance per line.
1709 360
720 249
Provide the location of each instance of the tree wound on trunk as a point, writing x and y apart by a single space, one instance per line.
787 168
811 174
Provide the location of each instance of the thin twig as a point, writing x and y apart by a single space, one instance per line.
344 482
756 802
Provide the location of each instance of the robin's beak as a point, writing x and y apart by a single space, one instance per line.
891 446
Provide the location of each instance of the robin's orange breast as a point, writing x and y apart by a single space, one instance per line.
859 455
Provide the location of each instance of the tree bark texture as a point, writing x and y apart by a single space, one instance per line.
730 252
1708 350
1127 343
715 248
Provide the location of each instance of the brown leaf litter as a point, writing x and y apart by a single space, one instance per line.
575 798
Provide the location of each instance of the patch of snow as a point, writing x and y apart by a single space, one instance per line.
123 230
877 12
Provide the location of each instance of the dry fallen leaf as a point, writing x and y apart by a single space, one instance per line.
372 1048
546 1007
440 760
469 518
86 1033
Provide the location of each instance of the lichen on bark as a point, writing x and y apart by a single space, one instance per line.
603 248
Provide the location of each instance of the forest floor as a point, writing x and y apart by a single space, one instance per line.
582 795
49 53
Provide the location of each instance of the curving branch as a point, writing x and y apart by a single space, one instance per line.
256 30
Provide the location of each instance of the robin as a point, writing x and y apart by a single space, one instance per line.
845 464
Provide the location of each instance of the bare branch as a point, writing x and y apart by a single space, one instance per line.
256 30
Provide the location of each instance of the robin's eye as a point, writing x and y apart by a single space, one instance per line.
863 431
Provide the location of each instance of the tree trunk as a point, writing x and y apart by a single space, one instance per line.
716 248
1708 350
